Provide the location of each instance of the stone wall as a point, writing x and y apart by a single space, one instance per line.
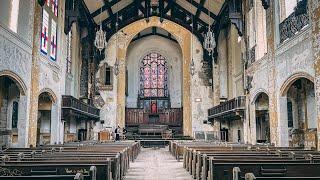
273 73
15 61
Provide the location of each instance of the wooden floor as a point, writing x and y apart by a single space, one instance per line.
156 164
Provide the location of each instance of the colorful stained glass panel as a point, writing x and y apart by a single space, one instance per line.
153 76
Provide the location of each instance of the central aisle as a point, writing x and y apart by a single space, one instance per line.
156 164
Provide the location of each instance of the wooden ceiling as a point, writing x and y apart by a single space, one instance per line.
194 15
101 10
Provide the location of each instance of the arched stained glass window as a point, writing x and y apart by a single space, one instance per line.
153 76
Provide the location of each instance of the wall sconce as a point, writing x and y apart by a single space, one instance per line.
192 68
116 67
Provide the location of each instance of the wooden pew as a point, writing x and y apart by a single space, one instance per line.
201 159
111 159
78 176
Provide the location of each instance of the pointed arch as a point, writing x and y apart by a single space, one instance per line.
17 79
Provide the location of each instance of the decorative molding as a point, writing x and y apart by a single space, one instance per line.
289 81
52 95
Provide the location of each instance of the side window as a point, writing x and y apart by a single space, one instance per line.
290 115
108 77
15 108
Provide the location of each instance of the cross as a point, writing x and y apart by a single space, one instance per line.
44 36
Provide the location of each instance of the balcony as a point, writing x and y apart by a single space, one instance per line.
75 107
294 23
231 109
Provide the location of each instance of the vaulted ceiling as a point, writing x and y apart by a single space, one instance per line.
102 10
194 15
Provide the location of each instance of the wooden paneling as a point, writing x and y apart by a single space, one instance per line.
172 116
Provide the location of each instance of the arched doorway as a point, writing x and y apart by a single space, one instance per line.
262 118
154 81
301 113
10 93
44 119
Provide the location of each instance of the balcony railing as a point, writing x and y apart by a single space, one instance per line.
228 107
79 107
295 22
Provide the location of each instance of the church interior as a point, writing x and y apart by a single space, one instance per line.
159 89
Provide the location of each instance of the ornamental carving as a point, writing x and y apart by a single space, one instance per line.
13 57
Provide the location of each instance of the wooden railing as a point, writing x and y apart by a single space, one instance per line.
232 105
70 102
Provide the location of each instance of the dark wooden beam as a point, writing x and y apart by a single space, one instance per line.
199 8
203 9
169 6
161 10
156 34
105 7
86 11
137 4
178 7
106 2
147 6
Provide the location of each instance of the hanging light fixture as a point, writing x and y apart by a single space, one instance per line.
192 67
100 40
116 64
209 42
116 67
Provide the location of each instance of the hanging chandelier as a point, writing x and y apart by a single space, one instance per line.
116 64
192 67
209 42
100 40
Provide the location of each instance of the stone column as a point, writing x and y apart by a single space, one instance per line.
282 134
246 129
121 86
271 41
252 119
22 122
314 13
34 89
55 123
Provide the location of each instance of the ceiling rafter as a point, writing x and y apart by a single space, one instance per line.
199 8
86 14
141 9
107 5
169 6
106 2
203 9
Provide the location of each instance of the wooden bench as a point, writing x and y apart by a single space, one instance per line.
216 161
63 162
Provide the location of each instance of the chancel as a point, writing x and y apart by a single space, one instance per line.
159 89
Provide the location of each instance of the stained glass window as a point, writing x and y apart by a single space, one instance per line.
153 76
